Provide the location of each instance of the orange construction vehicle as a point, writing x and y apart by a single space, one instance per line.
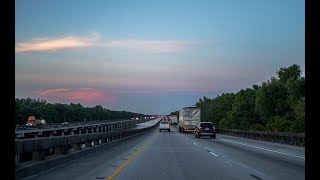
33 121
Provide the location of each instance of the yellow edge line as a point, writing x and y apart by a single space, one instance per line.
125 163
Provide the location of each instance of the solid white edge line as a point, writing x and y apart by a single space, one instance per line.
264 149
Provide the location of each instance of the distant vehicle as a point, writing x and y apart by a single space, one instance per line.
167 118
189 117
29 124
33 121
65 124
164 125
174 119
205 129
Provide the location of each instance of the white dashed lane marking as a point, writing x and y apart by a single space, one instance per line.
213 153
263 149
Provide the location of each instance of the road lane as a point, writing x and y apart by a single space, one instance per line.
277 161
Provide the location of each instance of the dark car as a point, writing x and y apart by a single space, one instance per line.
205 129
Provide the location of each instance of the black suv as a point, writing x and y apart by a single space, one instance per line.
205 129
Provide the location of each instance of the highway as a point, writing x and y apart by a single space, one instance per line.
173 155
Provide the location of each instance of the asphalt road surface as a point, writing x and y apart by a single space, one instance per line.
174 155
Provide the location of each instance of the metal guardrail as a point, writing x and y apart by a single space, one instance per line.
297 139
79 123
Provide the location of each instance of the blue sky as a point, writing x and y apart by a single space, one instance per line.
154 56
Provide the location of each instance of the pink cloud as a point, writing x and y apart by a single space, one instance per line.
58 43
51 44
82 95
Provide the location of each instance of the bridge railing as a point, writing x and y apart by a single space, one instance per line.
38 144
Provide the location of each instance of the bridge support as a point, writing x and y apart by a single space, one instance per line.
88 144
61 150
104 140
38 155
17 159
76 146
96 142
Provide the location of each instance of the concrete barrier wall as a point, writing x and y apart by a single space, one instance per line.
38 145
297 139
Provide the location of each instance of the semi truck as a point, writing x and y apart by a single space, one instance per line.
189 117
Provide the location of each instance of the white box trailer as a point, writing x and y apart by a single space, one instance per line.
174 119
189 117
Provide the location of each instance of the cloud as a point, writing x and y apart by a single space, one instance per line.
59 43
82 95
52 44
165 90
151 45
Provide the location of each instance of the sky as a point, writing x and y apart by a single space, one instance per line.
152 56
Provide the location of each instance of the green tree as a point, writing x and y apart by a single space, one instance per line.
293 71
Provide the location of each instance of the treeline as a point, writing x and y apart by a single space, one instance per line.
57 112
276 105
